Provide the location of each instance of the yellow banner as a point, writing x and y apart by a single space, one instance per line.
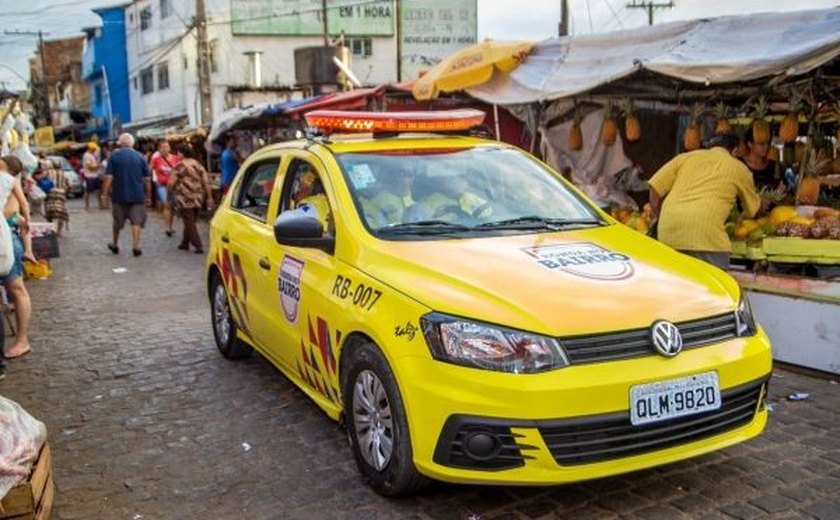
44 137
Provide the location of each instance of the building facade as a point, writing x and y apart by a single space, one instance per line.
58 79
105 70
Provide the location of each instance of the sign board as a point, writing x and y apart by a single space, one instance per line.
304 17
44 137
432 30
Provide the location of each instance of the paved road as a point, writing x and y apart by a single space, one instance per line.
147 421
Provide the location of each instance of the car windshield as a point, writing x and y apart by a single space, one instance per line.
460 190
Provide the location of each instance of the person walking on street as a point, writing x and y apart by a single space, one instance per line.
92 173
189 186
128 182
229 163
55 207
16 213
701 188
162 162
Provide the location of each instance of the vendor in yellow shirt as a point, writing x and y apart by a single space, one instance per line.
699 189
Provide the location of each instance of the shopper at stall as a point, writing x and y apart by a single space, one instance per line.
55 207
92 172
128 182
229 163
162 162
766 172
691 197
189 186
16 213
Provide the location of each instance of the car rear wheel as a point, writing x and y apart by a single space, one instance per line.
377 426
224 328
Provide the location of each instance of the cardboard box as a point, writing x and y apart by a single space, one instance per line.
32 499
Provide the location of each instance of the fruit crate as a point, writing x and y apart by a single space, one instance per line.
32 499
802 250
742 250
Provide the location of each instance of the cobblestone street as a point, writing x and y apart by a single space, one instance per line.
147 421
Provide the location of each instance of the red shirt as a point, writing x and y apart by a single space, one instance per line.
162 167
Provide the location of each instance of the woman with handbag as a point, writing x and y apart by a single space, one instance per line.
189 191
55 207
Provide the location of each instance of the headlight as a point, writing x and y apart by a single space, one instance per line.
744 318
479 345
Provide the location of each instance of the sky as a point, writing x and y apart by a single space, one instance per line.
533 20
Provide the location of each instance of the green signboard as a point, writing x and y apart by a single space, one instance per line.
305 17
432 30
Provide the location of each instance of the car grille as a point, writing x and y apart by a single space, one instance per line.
612 436
596 348
451 450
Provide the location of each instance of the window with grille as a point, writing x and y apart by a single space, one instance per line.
163 76
360 46
147 80
145 18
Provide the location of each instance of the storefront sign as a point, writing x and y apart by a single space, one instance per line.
304 17
432 30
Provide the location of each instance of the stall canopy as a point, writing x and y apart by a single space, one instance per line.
708 51
358 98
251 116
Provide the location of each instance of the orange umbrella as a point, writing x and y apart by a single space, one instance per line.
470 67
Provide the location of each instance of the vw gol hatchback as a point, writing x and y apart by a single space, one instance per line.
471 316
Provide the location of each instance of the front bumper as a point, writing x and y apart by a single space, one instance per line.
573 424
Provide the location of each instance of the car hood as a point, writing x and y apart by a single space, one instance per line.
559 283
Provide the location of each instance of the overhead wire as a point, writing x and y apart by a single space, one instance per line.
589 10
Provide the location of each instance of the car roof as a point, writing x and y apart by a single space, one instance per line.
344 143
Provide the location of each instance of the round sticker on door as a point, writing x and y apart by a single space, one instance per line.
288 284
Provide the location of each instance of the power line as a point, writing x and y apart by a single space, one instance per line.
589 10
650 6
50 7
615 15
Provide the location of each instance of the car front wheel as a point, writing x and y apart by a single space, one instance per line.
377 426
224 327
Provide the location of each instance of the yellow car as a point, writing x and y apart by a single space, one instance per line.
469 315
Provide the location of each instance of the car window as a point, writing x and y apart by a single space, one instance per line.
304 191
464 186
254 192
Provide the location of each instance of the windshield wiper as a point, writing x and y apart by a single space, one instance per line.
535 222
423 227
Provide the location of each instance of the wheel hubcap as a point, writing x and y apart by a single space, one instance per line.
221 315
372 420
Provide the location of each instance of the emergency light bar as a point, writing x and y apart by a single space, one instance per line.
372 122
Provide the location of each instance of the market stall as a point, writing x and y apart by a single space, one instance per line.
610 109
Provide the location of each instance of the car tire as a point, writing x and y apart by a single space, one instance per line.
224 327
374 412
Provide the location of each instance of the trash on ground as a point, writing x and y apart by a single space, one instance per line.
798 396
246 447
120 270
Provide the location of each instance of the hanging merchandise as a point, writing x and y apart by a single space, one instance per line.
722 114
632 126
609 129
760 126
575 133
692 140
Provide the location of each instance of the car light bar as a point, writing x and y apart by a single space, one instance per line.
374 122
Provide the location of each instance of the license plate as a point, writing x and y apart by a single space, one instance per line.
653 402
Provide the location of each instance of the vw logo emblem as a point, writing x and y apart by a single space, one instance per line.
666 338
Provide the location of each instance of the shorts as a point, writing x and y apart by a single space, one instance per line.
92 184
160 192
17 266
135 213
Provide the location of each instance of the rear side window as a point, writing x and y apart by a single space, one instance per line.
255 190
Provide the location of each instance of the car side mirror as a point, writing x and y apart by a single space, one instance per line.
294 228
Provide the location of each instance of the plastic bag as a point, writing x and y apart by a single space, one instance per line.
39 270
21 438
7 252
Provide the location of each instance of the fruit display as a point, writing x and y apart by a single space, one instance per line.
786 221
722 113
632 126
760 126
609 129
693 138
789 129
637 220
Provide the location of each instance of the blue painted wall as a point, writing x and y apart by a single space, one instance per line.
107 50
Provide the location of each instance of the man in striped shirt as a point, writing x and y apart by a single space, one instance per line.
691 197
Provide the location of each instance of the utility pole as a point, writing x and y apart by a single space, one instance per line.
650 6
326 27
44 84
563 30
204 88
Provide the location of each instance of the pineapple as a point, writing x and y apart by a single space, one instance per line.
575 134
834 232
692 137
609 129
789 130
760 126
808 192
722 114
632 126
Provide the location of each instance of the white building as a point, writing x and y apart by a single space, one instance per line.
162 51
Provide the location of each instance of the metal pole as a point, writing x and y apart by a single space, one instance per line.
398 28
326 27
564 18
204 87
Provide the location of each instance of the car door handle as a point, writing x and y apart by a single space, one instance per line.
225 239
264 263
